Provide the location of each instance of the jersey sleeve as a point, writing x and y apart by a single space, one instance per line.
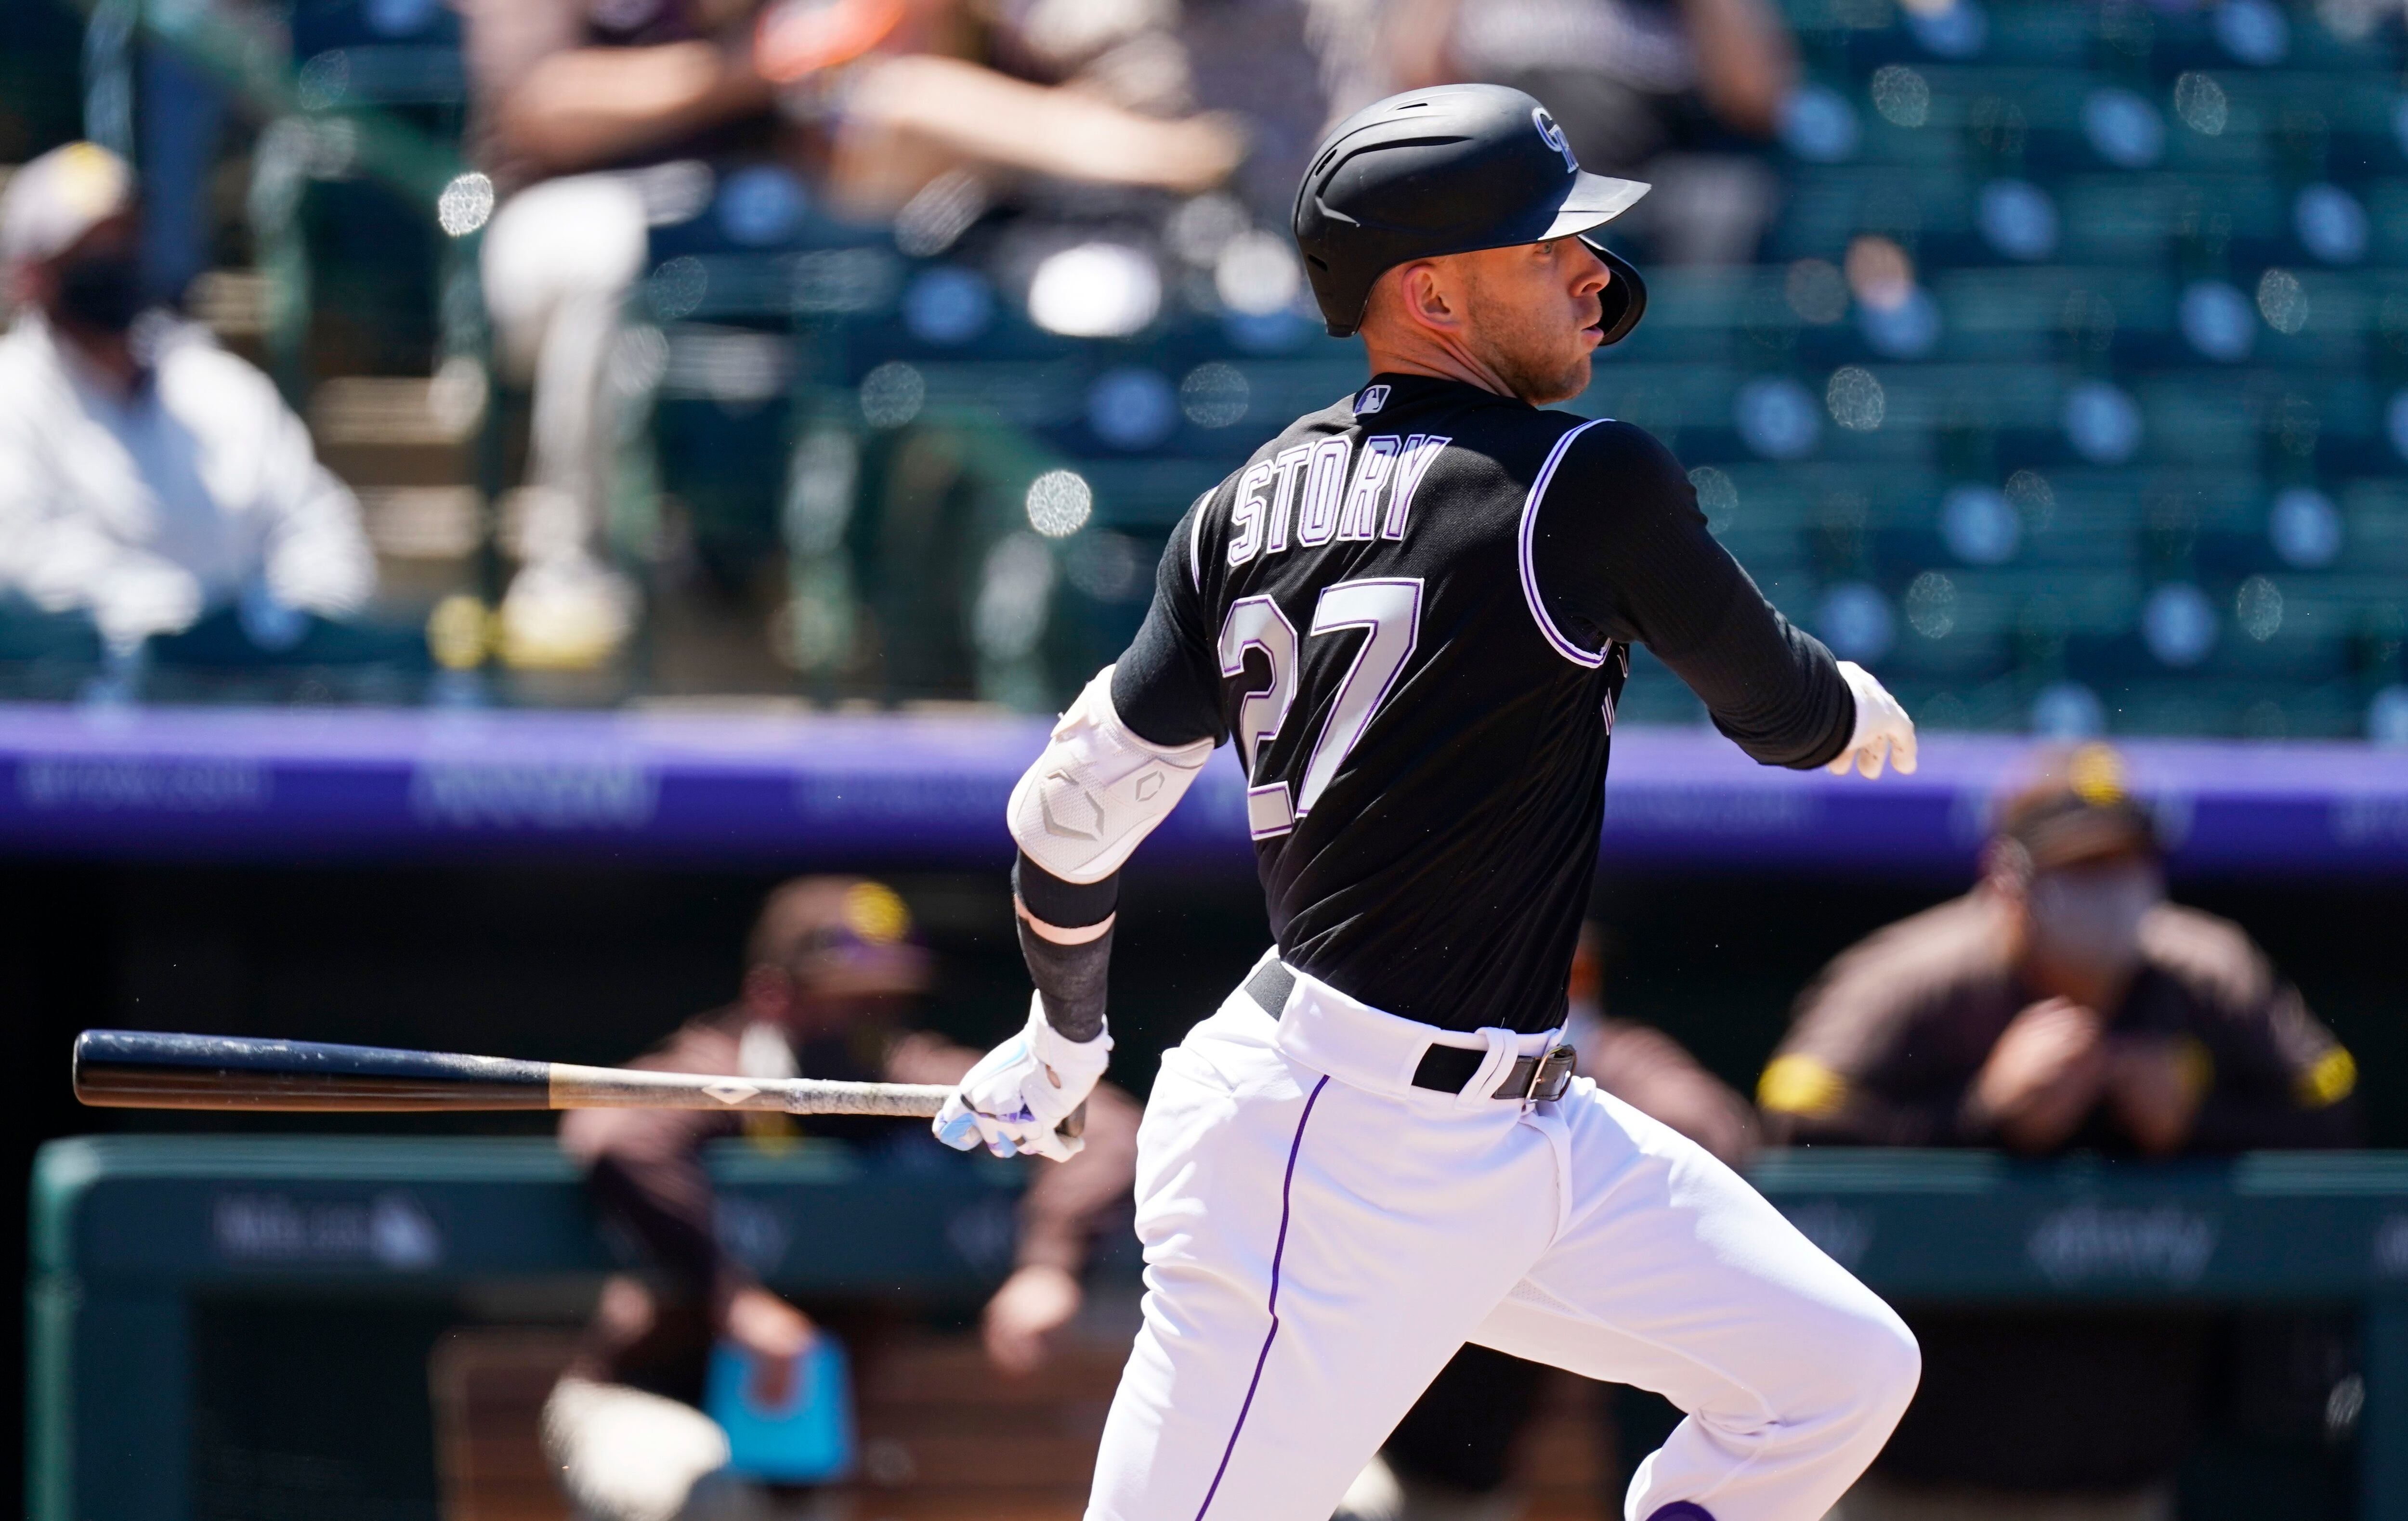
1166 685
1867 1060
1619 550
2277 1076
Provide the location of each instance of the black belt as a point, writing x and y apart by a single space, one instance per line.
1443 1068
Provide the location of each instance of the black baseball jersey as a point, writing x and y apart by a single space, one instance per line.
1413 613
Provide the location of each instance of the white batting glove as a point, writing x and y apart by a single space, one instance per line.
1018 1095
1883 728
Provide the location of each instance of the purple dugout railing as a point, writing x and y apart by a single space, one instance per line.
897 791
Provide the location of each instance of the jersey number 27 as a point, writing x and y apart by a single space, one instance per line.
1389 611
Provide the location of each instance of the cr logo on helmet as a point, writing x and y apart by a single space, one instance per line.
1553 137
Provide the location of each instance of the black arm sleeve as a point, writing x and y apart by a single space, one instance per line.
1166 685
1070 979
1622 552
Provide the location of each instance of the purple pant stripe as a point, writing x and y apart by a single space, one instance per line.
1279 1251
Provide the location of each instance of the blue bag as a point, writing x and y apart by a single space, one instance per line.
789 1423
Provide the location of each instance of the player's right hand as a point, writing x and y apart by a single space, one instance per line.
1017 1096
1883 728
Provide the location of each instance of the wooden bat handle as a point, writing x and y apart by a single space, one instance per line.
624 1087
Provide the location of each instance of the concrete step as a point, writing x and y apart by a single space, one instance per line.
426 538
233 305
375 431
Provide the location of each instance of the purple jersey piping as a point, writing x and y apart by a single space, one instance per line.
1564 647
1195 539
1278 1252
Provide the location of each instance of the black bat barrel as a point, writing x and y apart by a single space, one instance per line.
132 1069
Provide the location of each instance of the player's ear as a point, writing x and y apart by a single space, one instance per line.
1426 292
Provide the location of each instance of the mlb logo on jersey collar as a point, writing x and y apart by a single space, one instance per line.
1370 399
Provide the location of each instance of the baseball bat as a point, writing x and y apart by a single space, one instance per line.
128 1069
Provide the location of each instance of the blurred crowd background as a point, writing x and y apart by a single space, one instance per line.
2050 358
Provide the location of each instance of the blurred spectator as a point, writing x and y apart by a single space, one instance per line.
831 970
150 481
1447 1459
600 120
2061 1004
1670 92
1289 68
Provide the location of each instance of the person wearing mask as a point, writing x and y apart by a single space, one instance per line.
831 971
149 479
2064 1003
1449 1459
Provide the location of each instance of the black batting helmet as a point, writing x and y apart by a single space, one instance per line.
1448 170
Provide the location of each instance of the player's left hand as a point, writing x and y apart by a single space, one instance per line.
1018 1095
1883 728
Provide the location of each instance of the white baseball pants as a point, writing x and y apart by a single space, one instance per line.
1321 1236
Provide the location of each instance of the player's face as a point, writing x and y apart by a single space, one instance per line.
1535 315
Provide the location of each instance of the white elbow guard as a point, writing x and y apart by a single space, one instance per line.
1098 790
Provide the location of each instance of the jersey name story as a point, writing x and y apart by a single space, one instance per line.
1328 500
1410 613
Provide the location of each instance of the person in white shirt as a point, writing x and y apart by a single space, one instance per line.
148 478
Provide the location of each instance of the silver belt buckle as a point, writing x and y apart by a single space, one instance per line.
1551 1076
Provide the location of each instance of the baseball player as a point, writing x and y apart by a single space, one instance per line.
1411 612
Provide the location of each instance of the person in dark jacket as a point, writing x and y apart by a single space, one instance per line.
831 972
2063 1004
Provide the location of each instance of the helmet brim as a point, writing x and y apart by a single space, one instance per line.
1594 201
